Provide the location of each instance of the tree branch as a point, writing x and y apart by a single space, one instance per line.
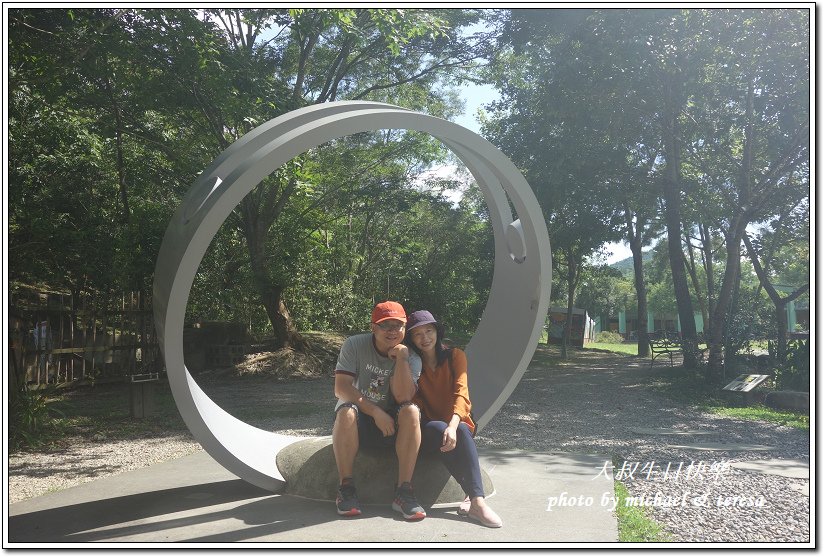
435 67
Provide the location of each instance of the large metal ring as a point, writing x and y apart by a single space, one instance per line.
503 343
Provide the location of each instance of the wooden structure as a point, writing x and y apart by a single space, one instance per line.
581 331
58 338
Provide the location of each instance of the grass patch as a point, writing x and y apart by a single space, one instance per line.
692 390
630 348
790 419
633 523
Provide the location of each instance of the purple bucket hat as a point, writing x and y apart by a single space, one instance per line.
418 318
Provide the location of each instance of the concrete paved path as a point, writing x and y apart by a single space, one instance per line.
543 499
788 468
710 446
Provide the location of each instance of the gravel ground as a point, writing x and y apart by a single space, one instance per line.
590 405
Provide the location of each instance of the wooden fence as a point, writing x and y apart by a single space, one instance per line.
57 338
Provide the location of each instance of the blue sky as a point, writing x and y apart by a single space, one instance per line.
475 96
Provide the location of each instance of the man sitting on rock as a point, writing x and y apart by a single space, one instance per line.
375 379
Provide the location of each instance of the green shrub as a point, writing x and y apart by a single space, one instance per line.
29 416
794 372
609 337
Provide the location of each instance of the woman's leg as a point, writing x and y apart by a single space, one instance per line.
431 435
462 461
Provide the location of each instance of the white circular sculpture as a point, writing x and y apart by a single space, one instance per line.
510 327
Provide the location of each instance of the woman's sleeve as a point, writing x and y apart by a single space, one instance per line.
461 405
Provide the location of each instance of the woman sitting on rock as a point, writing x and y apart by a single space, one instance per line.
446 424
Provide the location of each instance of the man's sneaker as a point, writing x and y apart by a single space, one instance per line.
406 504
347 500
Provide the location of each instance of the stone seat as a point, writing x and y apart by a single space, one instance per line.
309 469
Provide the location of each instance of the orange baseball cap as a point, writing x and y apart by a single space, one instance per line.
388 310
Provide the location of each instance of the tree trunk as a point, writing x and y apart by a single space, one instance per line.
643 313
572 272
779 302
672 215
635 240
709 270
730 347
696 284
781 332
733 237
722 305
271 295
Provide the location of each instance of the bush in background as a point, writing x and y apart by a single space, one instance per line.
29 416
794 373
609 337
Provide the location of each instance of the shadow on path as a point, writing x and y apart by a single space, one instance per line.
78 522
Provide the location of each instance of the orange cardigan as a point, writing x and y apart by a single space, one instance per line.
439 395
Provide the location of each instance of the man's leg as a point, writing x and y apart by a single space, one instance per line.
408 441
345 440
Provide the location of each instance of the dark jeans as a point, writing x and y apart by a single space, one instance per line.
462 461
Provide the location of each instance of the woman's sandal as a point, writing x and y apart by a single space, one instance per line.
463 509
491 522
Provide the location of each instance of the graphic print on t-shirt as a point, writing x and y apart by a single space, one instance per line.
378 382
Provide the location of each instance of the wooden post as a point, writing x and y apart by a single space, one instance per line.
85 337
39 356
122 320
72 317
94 334
105 327
60 342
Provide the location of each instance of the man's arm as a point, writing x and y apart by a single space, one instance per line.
346 374
346 391
401 383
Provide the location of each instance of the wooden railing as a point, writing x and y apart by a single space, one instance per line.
57 338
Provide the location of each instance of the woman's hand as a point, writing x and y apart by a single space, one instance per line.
450 439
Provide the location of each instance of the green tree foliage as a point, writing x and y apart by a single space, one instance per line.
696 119
562 149
114 112
92 172
625 122
604 291
750 128
317 56
797 270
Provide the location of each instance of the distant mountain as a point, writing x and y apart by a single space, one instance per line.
625 265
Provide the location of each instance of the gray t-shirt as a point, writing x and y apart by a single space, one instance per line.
371 370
